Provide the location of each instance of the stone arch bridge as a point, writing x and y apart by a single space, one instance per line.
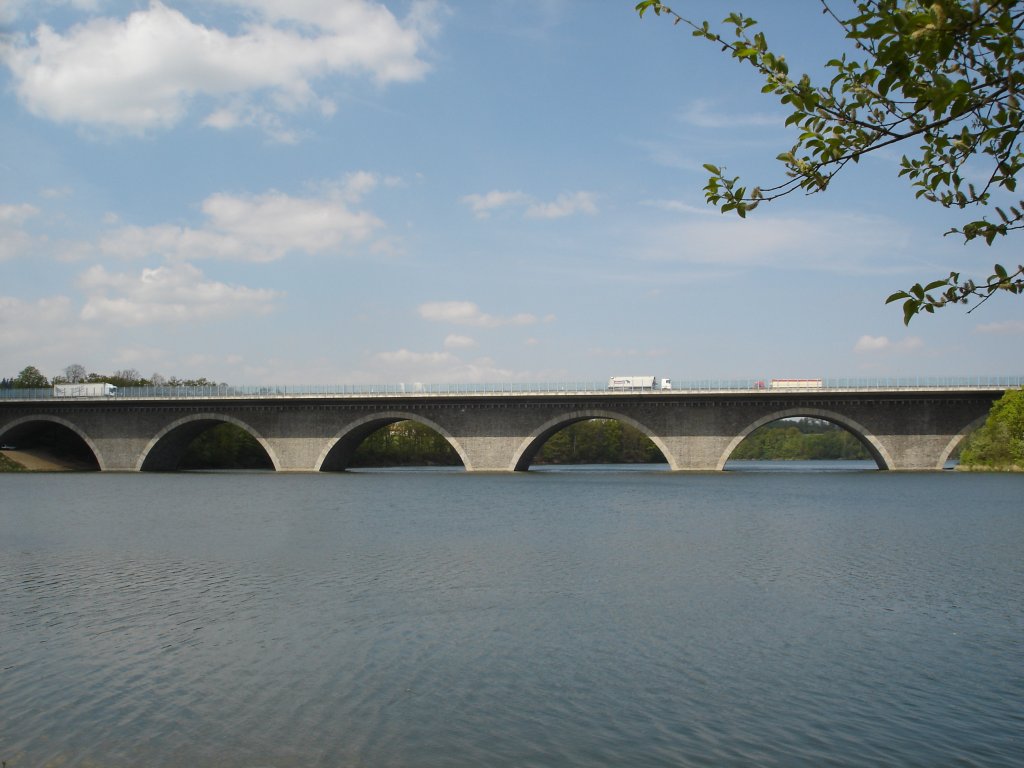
904 428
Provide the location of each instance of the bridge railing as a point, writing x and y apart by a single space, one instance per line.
541 388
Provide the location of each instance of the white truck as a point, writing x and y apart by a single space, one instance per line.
639 382
98 389
796 384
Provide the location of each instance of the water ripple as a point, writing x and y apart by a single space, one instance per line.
397 620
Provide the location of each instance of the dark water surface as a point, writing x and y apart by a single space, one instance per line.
628 618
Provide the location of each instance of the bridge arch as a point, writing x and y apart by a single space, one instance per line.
11 432
862 433
957 439
163 452
531 446
338 452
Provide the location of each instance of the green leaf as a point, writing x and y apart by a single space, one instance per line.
910 308
646 5
940 76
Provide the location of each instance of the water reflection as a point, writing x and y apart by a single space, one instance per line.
824 465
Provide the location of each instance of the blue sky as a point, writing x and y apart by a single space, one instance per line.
320 191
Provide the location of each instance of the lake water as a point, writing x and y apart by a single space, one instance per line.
552 618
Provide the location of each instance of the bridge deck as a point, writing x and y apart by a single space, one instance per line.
744 387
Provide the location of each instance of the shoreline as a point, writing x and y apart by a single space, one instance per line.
1009 468
41 461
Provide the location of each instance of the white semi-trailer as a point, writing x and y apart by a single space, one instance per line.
98 389
638 382
796 384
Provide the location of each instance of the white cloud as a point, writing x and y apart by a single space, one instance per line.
455 341
359 184
564 205
141 72
14 241
140 356
404 356
468 313
482 205
45 333
628 352
55 193
1009 326
678 206
9 11
669 154
701 115
17 214
240 114
871 344
176 293
438 367
256 228
73 250
286 223
25 323
843 243
348 18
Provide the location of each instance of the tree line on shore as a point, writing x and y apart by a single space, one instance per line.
409 443
30 377
999 444
594 441
800 440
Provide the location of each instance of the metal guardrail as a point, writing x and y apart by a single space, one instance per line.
527 388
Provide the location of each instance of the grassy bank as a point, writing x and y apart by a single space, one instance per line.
983 468
9 465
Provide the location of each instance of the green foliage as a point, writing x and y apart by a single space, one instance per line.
405 443
944 74
225 446
6 465
30 378
999 444
174 381
805 439
596 441
128 377
599 441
